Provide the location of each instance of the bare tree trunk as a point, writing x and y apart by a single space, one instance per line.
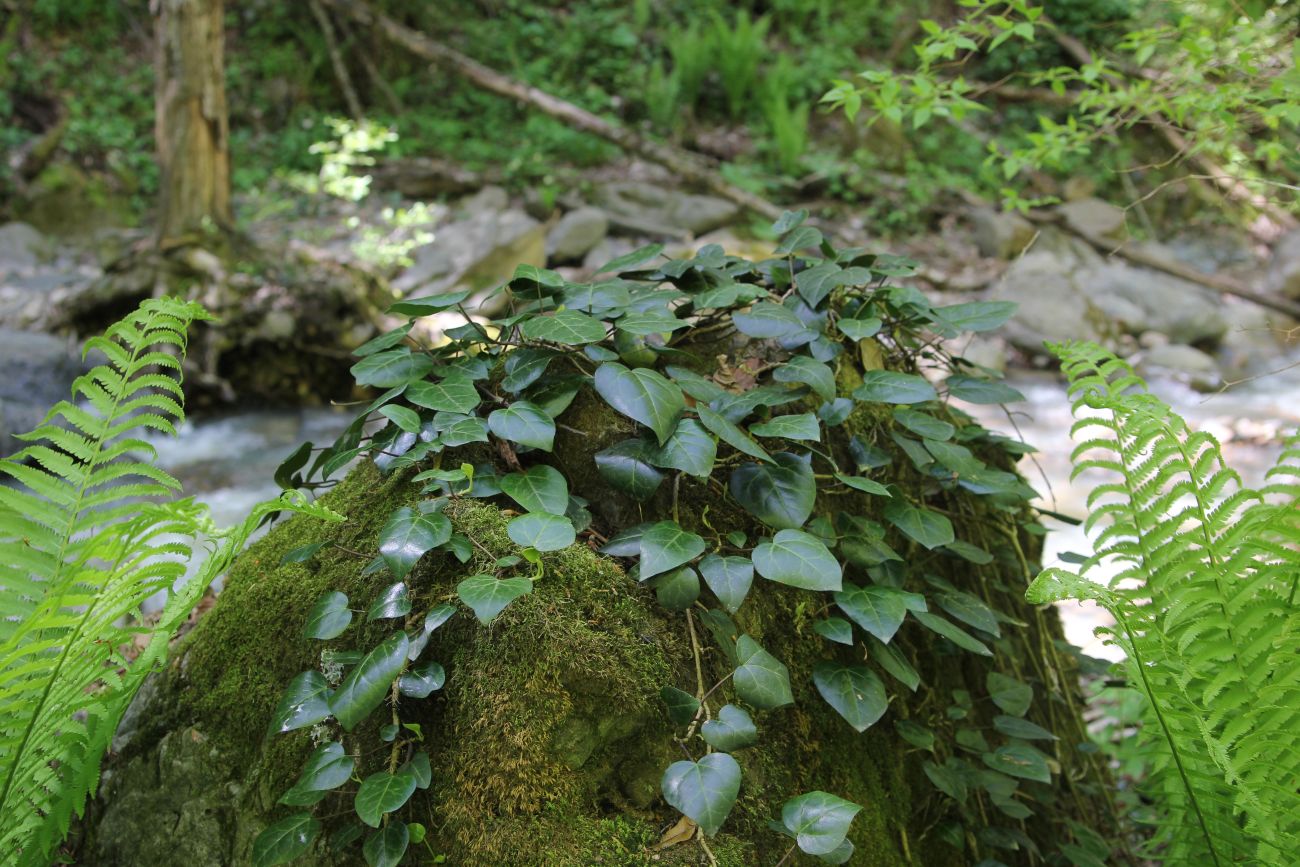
191 123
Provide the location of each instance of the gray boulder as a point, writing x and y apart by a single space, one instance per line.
576 234
1154 301
21 247
477 253
1001 235
1093 217
1284 269
1051 307
1182 362
649 209
36 371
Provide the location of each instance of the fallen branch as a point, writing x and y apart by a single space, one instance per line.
689 166
336 61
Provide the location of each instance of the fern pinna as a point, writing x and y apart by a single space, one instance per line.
91 530
1205 607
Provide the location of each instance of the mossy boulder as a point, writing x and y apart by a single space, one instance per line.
549 738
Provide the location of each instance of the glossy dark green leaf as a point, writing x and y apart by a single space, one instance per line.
729 578
810 372
800 238
392 367
305 702
699 387
734 729
542 531
789 220
422 680
435 618
304 553
555 394
418 765
704 791
626 543
835 412
428 304
803 426
892 660
1009 694
859 329
915 734
889 386
853 690
969 609
524 423
387 846
328 617
568 327
387 340
488 595
1015 727
367 685
382 793
525 366
642 395
636 257
817 282
923 526
953 633
666 546
285 840
677 590
969 552
538 489
600 299
923 424
328 767
981 391
628 466
643 323
835 629
455 393
766 320
781 494
408 535
405 418
861 483
681 704
286 473
689 449
760 678
798 559
1020 760
819 820
948 778
878 609
976 315
730 434
393 601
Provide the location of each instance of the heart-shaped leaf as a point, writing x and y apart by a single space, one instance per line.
955 634
810 372
524 423
383 793
628 466
328 617
703 791
923 424
568 327
525 366
541 531
729 578
760 678
285 840
408 535
636 257
404 417
798 559
463 431
890 386
488 596
387 846
892 660
835 629
305 702
689 449
819 821
392 367
976 315
970 609
867 486
878 609
366 686
428 304
815 283
677 590
539 489
393 601
435 618
855 692
422 680
803 426
919 524
327 768
454 393
1009 694
766 320
642 395
981 391
859 329
730 434
781 494
419 767
681 704
802 238
732 730
1020 760
666 546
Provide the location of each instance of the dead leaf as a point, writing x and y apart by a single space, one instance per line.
683 831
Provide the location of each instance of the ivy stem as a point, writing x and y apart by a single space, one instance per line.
788 853
700 694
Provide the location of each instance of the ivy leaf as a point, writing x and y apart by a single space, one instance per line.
627 466
366 686
854 691
788 220
642 323
408 535
428 304
732 730
803 237
464 431
435 618
539 489
892 660
819 820
328 617
488 595
328 767
383 793
977 315
567 327
703 791
636 257
542 531
681 704
969 552
393 601
760 678
454 393
1014 727
948 779
730 434
304 553
1020 760
689 449
285 840
865 485
387 846
981 391
781 495
405 418
766 320
955 634
810 372
923 424
971 610
524 423
305 702
419 767
626 543
642 395
525 366
791 427
392 367
878 609
729 578
890 386
666 546
817 282
1009 694
919 524
859 329
422 681
835 629
677 590
798 559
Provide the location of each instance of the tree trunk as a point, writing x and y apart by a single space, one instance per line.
191 124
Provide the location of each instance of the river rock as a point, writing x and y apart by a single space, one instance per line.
21 247
1051 307
478 253
1001 235
1284 268
36 371
1092 216
650 209
576 234
1153 301
1182 361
